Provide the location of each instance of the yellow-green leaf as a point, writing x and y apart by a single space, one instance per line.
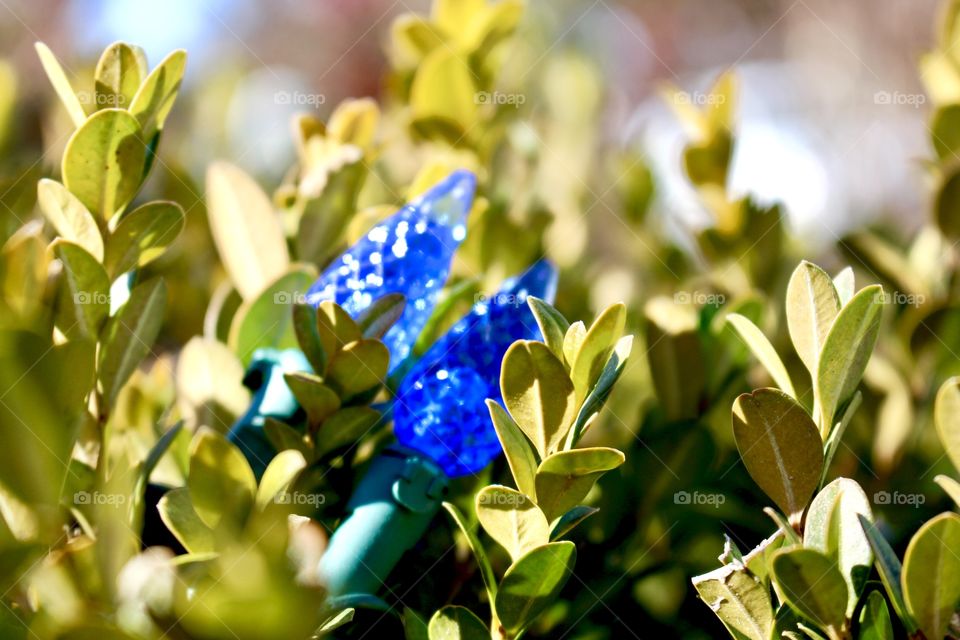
780 447
811 583
358 367
946 413
534 582
119 72
812 306
61 84
143 235
596 348
177 512
512 519
104 161
221 483
245 229
69 218
565 478
153 101
762 351
84 300
931 574
538 393
516 448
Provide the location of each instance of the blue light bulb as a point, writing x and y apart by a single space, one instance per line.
408 253
439 409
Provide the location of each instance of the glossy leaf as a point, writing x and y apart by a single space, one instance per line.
129 335
812 306
890 570
931 574
85 292
596 348
875 619
947 419
61 84
565 478
517 448
532 583
811 583
69 218
538 393
457 623
780 447
103 162
153 101
553 326
763 351
832 526
142 236
846 351
246 230
221 483
511 519
739 599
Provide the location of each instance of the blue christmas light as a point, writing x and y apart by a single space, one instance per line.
408 253
439 409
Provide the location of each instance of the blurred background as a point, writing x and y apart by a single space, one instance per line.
831 120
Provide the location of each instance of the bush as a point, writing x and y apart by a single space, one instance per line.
188 400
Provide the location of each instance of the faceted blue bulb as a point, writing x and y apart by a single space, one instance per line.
439 409
408 253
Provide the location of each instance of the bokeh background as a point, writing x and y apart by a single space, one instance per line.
832 121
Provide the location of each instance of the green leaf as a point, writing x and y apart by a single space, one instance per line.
486 570
832 527
811 583
157 451
103 162
337 620
245 229
565 478
946 206
153 101
511 519
413 38
780 447
946 414
538 393
875 619
553 326
596 348
785 528
376 320
142 236
335 327
279 475
69 218
931 574
266 320
601 391
568 521
763 351
221 482
316 398
888 566
675 357
950 486
308 337
84 294
443 90
812 306
414 628
128 336
846 352
572 340
282 436
532 583
119 72
845 285
61 84
739 599
457 623
177 512
209 383
359 367
345 427
520 457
